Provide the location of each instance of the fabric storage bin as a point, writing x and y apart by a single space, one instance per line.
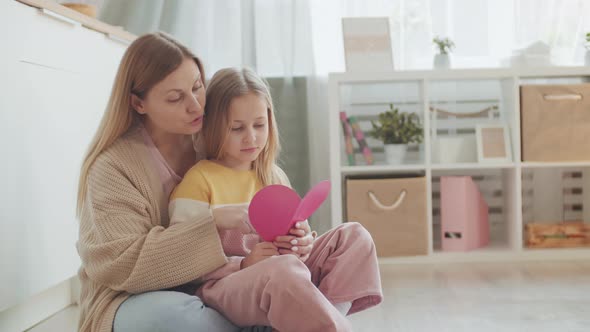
555 121
463 216
393 210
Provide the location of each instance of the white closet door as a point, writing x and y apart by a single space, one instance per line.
55 80
46 127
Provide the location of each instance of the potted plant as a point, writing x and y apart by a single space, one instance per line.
396 130
445 46
587 45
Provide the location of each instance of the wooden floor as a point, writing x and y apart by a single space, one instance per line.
498 297
539 297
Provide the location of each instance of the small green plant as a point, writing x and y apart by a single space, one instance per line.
397 128
587 45
445 46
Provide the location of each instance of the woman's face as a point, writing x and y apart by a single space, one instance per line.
175 105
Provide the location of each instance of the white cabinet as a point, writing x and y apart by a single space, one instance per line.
55 82
450 104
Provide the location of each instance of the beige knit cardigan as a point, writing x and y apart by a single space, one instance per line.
125 244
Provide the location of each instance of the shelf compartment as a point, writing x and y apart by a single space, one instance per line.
554 195
364 102
498 187
456 107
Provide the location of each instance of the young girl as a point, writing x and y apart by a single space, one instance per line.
289 292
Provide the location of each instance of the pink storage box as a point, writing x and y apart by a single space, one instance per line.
464 214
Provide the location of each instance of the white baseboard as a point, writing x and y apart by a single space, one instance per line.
39 307
75 287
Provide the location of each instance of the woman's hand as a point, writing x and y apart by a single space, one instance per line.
299 243
232 217
260 252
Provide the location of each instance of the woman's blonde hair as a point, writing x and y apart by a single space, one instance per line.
147 61
226 85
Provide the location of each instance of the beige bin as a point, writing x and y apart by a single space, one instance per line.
393 210
555 122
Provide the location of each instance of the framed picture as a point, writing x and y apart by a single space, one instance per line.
367 44
493 143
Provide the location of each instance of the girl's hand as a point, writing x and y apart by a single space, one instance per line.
232 217
299 243
261 251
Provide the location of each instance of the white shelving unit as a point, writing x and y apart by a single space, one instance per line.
510 188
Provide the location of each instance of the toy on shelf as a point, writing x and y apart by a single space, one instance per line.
360 138
347 139
558 235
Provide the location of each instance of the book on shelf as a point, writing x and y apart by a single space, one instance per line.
360 138
348 148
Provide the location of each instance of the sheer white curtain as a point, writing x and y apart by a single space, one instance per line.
485 31
303 38
298 37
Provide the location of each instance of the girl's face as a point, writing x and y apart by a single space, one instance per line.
248 121
175 104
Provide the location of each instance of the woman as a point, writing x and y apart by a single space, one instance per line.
138 273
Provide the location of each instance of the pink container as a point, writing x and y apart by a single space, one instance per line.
464 214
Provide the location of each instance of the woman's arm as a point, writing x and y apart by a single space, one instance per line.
122 245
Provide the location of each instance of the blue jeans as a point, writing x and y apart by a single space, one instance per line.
163 311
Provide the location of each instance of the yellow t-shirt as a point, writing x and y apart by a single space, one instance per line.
208 186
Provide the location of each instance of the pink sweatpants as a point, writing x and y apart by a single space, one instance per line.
289 295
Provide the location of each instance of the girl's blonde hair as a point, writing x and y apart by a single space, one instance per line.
147 61
226 85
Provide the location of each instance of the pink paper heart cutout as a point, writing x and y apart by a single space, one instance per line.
312 201
272 209
276 208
